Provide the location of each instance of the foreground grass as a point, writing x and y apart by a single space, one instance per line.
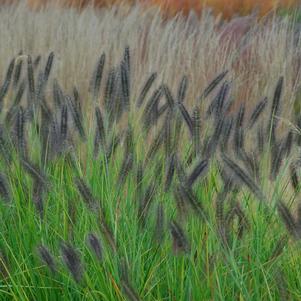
260 263
248 270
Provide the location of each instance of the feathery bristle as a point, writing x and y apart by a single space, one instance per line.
228 184
294 177
162 110
217 104
127 58
17 73
150 110
257 112
108 234
11 115
38 197
240 116
45 109
169 98
187 195
146 89
30 78
180 242
287 147
123 268
210 148
167 129
4 188
220 219
277 153
280 245
115 141
64 123
58 95
129 141
19 93
186 117
180 170
288 220
40 87
34 171
47 258
299 216
145 203
239 135
5 149
250 162
4 269
37 61
85 193
243 222
46 137
177 132
158 172
53 141
182 89
213 84
139 180
97 77
196 130
48 66
243 177
181 204
76 115
154 147
95 245
282 286
226 133
72 261
160 221
221 99
109 91
198 172
260 139
170 170
100 129
126 167
20 132
125 86
275 109
131 294
229 219
77 102
4 88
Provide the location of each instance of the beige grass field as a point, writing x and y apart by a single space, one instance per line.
256 53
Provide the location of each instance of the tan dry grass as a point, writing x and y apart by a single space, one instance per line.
172 48
228 8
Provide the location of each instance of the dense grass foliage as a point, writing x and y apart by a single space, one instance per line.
144 199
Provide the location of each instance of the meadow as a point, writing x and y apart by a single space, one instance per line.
149 158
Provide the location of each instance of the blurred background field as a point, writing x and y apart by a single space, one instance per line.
228 8
255 51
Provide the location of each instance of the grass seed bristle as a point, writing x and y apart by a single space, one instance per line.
72 261
95 245
180 241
